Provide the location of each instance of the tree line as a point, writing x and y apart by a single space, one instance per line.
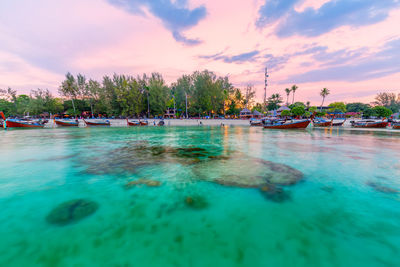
199 94
202 93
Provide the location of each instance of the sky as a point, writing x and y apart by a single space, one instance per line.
351 47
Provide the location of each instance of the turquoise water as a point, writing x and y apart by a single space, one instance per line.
202 205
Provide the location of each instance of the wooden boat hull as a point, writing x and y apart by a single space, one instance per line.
382 124
137 123
293 125
396 126
258 123
338 123
88 123
66 124
322 124
21 124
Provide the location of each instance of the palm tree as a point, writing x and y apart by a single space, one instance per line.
287 90
324 93
294 88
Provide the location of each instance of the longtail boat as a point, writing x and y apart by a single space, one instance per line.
396 125
97 123
338 123
17 123
301 124
67 123
137 123
256 122
369 124
322 123
132 123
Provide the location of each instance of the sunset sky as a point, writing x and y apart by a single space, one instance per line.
351 47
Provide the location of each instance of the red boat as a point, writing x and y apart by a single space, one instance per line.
322 123
137 123
369 124
302 124
396 125
101 123
67 123
15 123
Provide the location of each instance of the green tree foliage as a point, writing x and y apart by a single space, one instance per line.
357 107
297 104
285 113
287 91
369 112
337 107
273 101
324 93
249 96
69 88
42 101
382 112
158 94
298 111
388 100
258 107
294 89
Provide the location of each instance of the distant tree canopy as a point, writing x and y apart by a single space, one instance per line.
204 93
388 100
382 112
337 107
298 111
357 107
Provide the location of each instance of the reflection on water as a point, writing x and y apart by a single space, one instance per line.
199 196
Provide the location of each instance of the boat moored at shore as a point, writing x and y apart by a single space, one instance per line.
67 123
18 123
97 123
281 124
369 124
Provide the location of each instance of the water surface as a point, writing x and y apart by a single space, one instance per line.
193 196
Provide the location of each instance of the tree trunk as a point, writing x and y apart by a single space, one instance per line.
73 106
323 99
287 100
293 99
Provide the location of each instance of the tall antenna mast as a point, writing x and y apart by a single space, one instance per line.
266 84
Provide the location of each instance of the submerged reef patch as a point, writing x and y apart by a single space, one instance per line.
196 202
247 172
147 182
71 211
129 158
382 188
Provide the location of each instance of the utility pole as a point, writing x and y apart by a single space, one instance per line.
148 104
186 104
266 84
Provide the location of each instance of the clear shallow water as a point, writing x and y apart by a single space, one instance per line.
344 212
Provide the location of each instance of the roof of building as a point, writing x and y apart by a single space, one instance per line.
283 108
244 111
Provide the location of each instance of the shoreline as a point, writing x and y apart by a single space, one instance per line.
224 122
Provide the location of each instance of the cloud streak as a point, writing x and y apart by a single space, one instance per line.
240 58
379 64
175 15
331 15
